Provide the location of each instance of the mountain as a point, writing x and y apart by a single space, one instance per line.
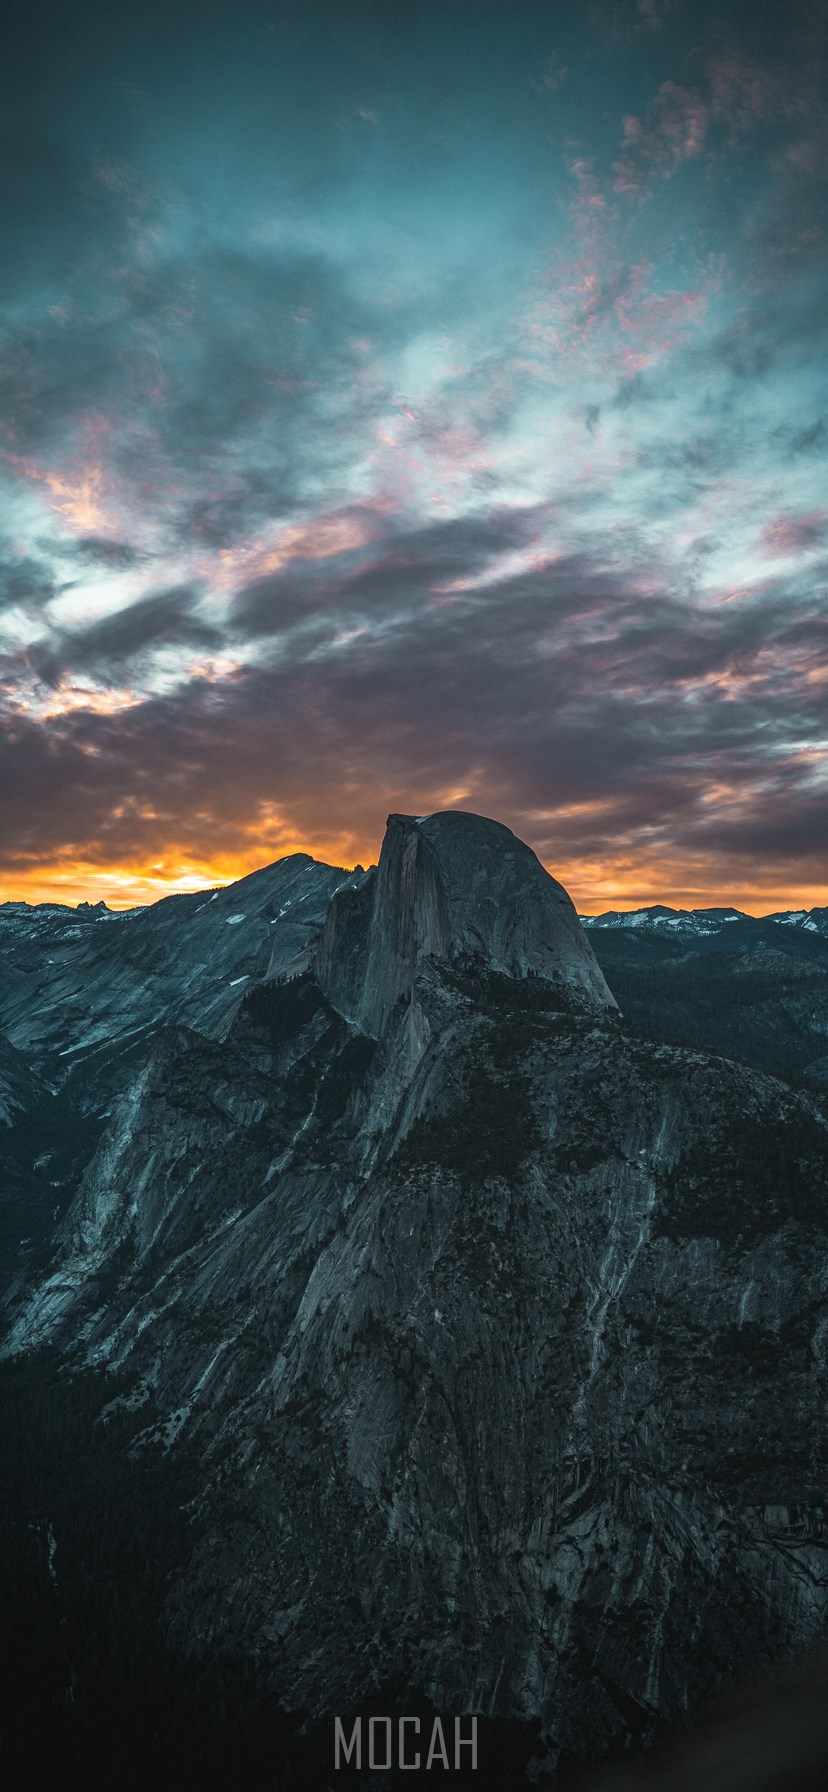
755 989
705 921
449 886
86 984
681 922
85 992
477 1338
810 920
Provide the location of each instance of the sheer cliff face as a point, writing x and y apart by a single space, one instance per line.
451 886
501 1332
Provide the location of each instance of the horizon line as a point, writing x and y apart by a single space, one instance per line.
86 888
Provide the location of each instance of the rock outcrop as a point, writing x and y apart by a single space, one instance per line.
451 886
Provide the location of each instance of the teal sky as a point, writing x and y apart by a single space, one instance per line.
415 412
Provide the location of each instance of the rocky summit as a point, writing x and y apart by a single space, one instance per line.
497 1329
450 886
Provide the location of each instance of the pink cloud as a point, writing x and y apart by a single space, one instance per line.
657 320
80 488
653 147
324 537
788 535
604 313
589 200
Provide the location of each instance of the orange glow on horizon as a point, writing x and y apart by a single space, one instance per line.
594 887
626 884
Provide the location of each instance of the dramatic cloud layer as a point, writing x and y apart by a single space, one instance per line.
415 414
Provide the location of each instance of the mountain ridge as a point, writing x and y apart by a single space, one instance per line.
705 920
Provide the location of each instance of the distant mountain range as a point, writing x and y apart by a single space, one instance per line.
450 1279
754 988
707 922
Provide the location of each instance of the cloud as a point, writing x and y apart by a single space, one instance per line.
653 147
805 441
24 581
106 647
188 390
101 550
787 535
409 564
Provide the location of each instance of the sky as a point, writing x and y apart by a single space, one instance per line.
408 409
